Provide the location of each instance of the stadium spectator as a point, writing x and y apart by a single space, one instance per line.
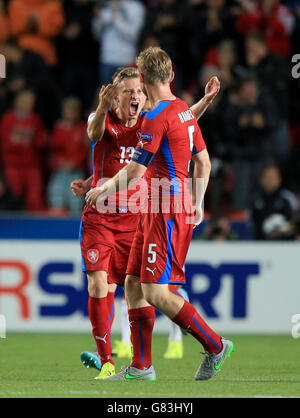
248 119
223 57
212 130
295 227
296 31
273 206
271 72
36 23
78 52
117 27
4 33
208 22
219 229
292 167
4 26
8 202
23 137
165 22
69 154
294 90
272 19
28 70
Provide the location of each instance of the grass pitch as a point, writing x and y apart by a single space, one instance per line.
48 366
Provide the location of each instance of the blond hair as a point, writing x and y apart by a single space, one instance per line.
125 73
156 65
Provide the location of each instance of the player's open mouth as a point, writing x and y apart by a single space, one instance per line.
134 108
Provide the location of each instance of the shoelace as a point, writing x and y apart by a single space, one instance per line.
124 369
208 358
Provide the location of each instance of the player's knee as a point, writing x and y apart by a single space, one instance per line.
133 287
154 297
97 284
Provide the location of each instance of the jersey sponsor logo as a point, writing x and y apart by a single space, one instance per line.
93 256
186 116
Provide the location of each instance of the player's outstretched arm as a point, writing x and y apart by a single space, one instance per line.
212 89
80 186
202 168
133 171
96 125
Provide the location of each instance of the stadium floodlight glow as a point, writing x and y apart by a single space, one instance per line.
2 326
2 66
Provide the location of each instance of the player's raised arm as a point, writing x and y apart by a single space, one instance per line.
212 89
96 124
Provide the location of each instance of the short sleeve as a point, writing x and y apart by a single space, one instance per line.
91 117
199 143
151 136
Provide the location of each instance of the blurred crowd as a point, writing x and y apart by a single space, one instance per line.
58 53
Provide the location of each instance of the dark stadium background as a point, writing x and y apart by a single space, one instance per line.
55 53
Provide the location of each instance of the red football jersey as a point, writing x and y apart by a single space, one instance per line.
114 152
69 144
170 135
21 139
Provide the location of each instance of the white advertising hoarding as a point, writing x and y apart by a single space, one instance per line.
237 287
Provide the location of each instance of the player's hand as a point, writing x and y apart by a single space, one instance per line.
93 195
198 216
106 97
79 187
212 88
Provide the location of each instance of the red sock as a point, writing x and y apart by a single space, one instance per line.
141 326
188 318
98 314
111 308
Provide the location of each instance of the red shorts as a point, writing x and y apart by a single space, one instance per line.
105 241
159 248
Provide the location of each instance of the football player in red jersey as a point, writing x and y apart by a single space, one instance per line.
106 238
171 138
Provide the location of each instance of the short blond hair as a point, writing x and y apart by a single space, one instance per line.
156 65
125 73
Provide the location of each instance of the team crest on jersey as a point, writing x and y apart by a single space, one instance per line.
93 256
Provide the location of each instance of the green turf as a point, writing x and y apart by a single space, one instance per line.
37 365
